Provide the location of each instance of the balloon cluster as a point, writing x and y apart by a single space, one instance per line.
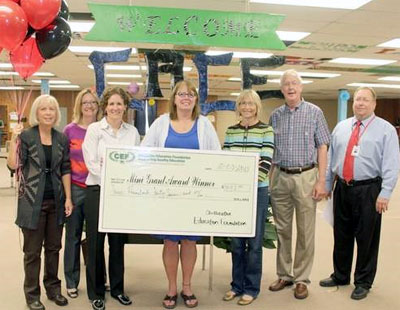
33 31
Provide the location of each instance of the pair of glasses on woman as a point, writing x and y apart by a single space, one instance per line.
183 95
89 103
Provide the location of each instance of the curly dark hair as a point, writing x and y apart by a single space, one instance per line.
108 92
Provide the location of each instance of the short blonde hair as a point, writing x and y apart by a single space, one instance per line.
290 72
248 94
33 121
171 103
77 115
372 91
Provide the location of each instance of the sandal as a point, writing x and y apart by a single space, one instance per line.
229 295
245 300
170 298
72 292
187 298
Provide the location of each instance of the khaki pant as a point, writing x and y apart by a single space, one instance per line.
289 193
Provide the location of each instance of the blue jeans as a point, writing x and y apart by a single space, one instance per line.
247 253
73 234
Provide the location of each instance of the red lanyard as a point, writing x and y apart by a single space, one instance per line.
365 129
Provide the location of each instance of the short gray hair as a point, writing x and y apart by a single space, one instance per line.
33 121
293 73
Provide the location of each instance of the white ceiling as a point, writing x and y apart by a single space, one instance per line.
334 33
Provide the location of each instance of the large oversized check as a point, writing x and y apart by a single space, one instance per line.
176 191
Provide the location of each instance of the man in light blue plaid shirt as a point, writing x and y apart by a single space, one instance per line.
297 181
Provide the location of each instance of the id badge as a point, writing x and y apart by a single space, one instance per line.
356 151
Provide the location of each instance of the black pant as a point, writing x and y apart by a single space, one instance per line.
356 218
95 268
47 235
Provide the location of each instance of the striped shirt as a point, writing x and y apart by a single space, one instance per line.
258 138
298 134
75 135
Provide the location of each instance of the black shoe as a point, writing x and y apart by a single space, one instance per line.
98 304
330 282
36 305
123 299
59 299
359 293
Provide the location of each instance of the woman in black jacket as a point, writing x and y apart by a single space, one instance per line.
44 197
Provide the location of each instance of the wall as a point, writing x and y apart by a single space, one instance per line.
10 99
388 109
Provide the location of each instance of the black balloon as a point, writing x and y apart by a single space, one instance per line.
29 33
54 39
64 11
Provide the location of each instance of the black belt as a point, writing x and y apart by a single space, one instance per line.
361 182
296 170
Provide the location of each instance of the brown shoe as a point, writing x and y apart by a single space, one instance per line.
279 285
301 291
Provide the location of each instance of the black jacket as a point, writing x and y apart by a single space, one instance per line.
33 162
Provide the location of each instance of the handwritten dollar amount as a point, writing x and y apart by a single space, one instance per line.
233 167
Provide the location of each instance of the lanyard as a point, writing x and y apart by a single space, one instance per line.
365 129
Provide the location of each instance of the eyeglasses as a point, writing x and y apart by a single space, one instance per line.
183 95
291 83
246 103
89 103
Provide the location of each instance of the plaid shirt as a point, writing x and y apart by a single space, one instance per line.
298 134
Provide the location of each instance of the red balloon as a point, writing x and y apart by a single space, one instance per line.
26 59
13 24
40 13
16 1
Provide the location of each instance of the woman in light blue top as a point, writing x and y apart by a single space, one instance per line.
183 127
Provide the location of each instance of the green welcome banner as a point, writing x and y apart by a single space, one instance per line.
185 27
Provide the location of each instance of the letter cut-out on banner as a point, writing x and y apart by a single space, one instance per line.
98 59
248 79
172 62
202 61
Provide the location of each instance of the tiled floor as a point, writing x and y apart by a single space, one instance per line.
145 280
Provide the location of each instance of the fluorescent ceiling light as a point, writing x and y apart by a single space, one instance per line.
118 75
81 26
106 49
240 54
362 61
390 78
44 74
376 85
11 88
234 94
8 73
235 79
64 86
336 4
4 65
395 43
123 83
52 82
302 74
132 68
292 35
119 83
